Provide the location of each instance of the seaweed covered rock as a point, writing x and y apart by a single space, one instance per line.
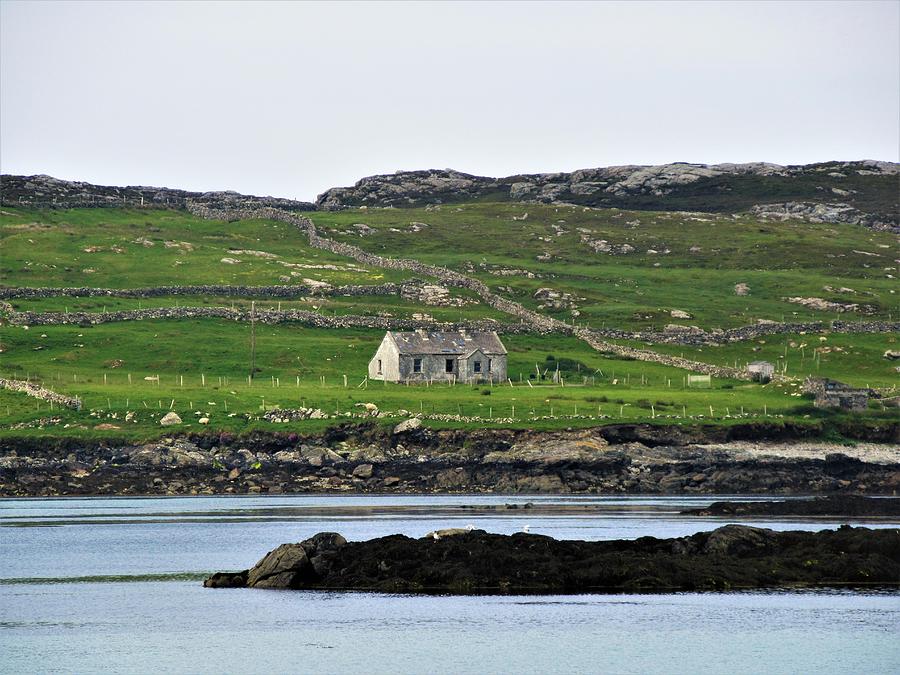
730 557
832 505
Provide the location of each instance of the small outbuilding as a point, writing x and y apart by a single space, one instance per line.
426 356
761 371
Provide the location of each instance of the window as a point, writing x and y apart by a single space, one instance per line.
448 366
379 366
477 366
417 365
489 365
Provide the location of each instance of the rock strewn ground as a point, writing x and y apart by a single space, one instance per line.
730 557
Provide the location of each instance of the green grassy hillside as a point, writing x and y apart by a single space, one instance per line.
676 261
687 262
125 248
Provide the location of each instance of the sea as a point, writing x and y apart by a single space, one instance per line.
114 585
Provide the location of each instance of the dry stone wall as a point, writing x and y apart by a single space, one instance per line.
42 393
294 291
700 337
266 316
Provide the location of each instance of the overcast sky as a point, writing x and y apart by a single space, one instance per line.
289 99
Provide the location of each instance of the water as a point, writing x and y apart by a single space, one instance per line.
113 585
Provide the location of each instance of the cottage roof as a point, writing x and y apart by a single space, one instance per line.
454 343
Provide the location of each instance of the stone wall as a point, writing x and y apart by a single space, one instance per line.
37 391
266 316
700 337
293 291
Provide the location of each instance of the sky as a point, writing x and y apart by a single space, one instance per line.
290 99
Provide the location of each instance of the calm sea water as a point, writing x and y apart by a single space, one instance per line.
113 585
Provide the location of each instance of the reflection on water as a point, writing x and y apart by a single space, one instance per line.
65 606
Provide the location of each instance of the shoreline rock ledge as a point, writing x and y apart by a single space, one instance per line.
461 561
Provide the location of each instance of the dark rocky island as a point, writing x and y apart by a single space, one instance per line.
832 505
462 561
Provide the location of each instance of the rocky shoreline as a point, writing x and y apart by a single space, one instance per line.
459 561
370 458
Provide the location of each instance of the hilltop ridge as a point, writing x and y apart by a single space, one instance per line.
861 192
46 191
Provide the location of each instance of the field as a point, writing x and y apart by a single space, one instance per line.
856 359
96 364
125 248
696 262
201 367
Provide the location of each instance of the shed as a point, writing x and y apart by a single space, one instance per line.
761 371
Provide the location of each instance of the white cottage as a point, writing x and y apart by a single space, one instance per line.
422 356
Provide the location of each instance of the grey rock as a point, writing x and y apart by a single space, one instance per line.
408 425
170 419
280 568
363 471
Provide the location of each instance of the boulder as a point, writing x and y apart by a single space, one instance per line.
169 419
363 471
321 549
285 567
739 540
408 425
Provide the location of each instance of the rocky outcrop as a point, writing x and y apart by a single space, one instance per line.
406 188
677 186
730 557
823 305
813 212
48 192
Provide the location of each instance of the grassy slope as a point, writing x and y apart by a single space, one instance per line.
854 359
638 290
47 248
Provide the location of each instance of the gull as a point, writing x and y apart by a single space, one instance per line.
525 528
